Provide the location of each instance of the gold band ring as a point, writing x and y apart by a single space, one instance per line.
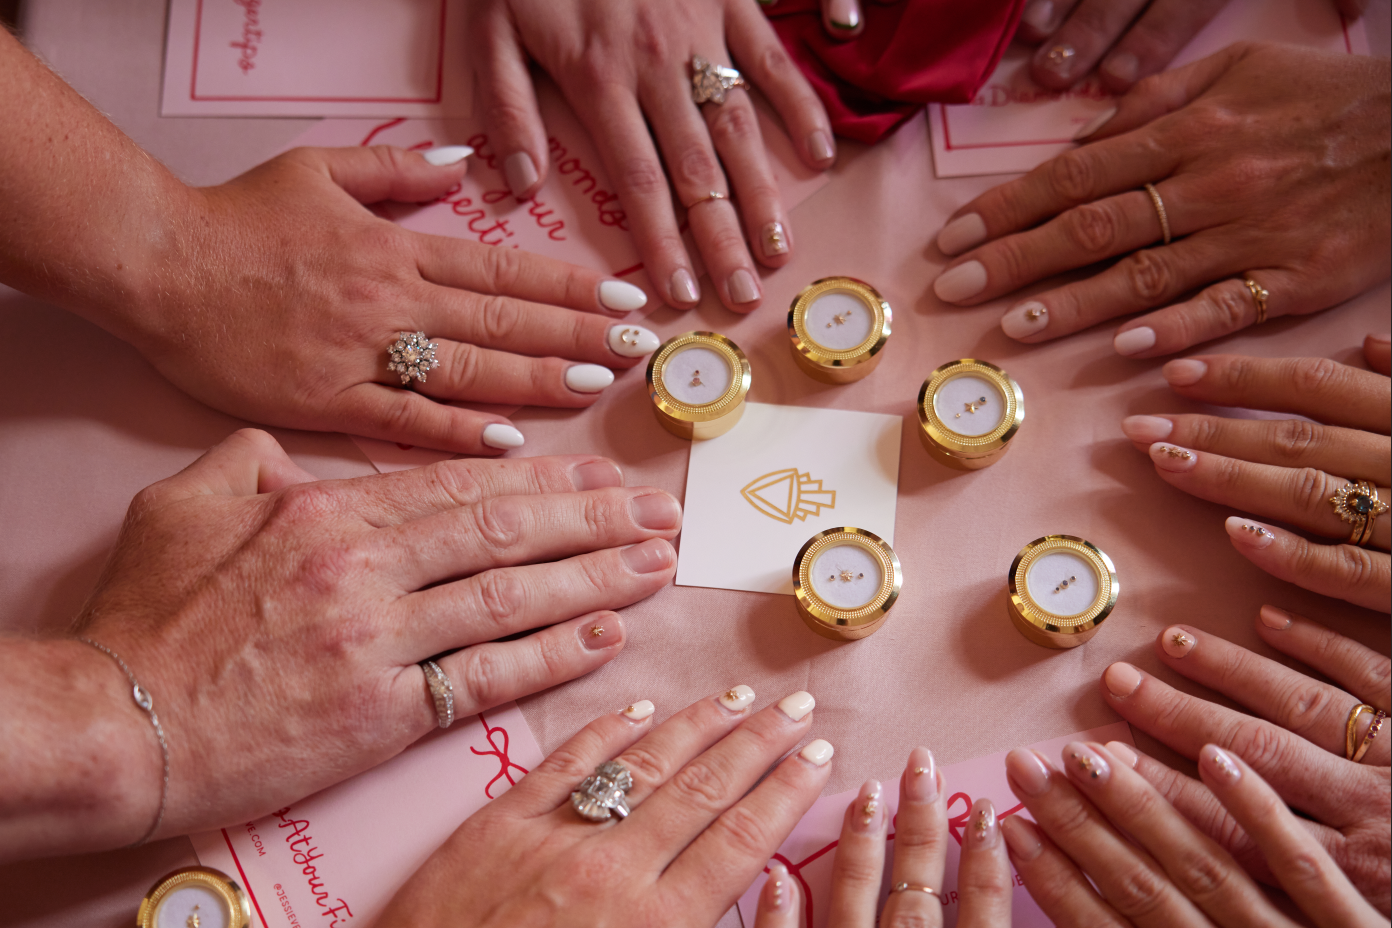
713 195
915 887
1368 736
1159 205
1358 503
1351 726
1259 296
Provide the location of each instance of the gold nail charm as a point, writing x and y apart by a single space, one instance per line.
1064 585
1180 639
1086 765
596 631
1255 530
1176 452
1035 313
981 824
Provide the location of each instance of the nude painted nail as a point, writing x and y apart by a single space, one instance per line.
1123 66
1214 761
602 633
1134 341
588 378
1025 319
736 698
1173 458
867 809
1095 124
1247 533
1057 58
962 233
777 889
1040 15
648 557
961 282
742 287
520 172
843 15
1146 429
796 705
449 154
983 830
1027 771
656 512
1121 679
921 776
632 341
819 146
1123 752
1184 372
1176 642
818 752
502 436
1277 619
683 287
596 475
640 710
1085 765
775 240
1021 838
621 296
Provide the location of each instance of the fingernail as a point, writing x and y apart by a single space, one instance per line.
520 172
683 287
1134 341
450 154
961 282
818 752
1122 752
640 710
844 15
984 830
796 705
776 891
1095 123
588 378
1086 765
1027 771
621 297
1176 642
648 557
867 809
658 512
1146 429
742 287
1121 679
1123 66
1247 533
1184 372
1384 339
921 781
596 475
736 698
1025 319
1040 15
632 341
1021 838
962 233
1173 458
502 436
775 240
603 633
819 146
1274 618
1214 761
1058 58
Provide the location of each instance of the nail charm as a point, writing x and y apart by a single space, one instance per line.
1059 57
596 631
1173 452
1086 765
1064 584
1256 530
1035 313
736 699
696 379
920 771
972 407
839 318
847 576
775 242
981 823
1180 640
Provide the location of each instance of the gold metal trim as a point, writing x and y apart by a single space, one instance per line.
1043 627
215 881
712 419
969 451
846 624
846 365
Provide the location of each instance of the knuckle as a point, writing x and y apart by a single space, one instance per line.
463 365
505 113
856 871
1073 175
695 169
1138 891
1201 876
487 673
498 595
304 503
772 64
1073 820
1303 865
497 522
1294 439
456 480
902 919
1356 567
916 839
1092 227
1148 275
498 318
1207 432
642 178
745 834
1373 677
734 124
328 566
646 765
725 239
1262 745
1317 375
705 784
1310 488
568 764
1302 707
503 270
1227 306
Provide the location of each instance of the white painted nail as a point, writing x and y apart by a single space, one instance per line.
632 341
502 436
1025 319
817 752
962 233
796 705
961 282
737 698
588 378
1095 123
450 154
1134 341
844 15
621 297
639 710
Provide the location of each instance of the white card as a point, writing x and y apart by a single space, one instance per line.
784 473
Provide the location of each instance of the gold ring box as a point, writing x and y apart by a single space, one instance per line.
1061 590
697 383
195 895
837 327
968 411
846 580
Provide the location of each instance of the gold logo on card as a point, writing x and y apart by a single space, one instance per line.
786 495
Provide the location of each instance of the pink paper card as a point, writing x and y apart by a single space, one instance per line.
316 58
337 857
810 849
1014 125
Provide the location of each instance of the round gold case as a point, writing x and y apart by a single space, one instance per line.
846 364
1036 622
833 622
953 448
236 908
710 419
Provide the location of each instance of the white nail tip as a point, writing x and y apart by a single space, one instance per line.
736 698
632 341
1134 341
450 154
617 295
502 436
796 705
1095 123
639 710
818 752
588 378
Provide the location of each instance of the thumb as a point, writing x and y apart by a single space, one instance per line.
1164 93
245 463
385 172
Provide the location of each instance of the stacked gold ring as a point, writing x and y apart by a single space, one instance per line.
1358 503
1259 296
1355 751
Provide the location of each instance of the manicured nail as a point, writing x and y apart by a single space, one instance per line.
962 233
632 341
1122 752
1025 319
621 297
502 436
588 378
520 172
775 240
1384 339
777 889
1027 771
796 705
450 154
742 287
921 777
1173 458
1040 15
867 809
1176 642
596 475
819 146
818 752
640 710
1121 679
657 512
1184 372
1021 838
1095 123
961 282
1123 66
1214 761
1278 619
683 287
983 831
1058 58
1247 533
1134 341
1085 765
843 15
648 557
1146 429
603 633
736 698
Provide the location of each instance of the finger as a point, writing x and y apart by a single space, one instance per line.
1350 573
1362 671
734 129
1303 868
1076 46
1280 442
1221 309
858 870
1152 42
1156 96
508 99
842 19
406 417
1054 881
1378 350
245 463
468 373
382 172
780 901
983 874
1040 18
920 843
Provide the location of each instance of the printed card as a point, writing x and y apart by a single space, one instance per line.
810 849
339 856
784 473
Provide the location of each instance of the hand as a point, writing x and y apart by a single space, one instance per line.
620 63
1270 162
1284 469
920 847
1296 742
705 820
278 622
